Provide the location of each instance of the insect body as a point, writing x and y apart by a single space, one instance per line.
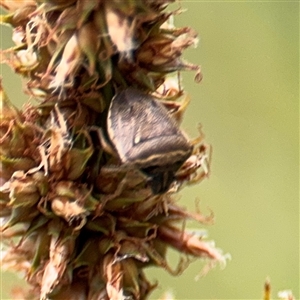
145 136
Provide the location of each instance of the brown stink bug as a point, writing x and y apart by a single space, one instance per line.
146 137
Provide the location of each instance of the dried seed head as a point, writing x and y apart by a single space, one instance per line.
13 6
63 73
84 217
121 30
8 111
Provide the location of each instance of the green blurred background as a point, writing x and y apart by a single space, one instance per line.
248 105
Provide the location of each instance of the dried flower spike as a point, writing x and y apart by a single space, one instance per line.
88 173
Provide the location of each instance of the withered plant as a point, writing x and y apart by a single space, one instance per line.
91 164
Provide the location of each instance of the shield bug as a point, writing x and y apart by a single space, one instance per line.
145 136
